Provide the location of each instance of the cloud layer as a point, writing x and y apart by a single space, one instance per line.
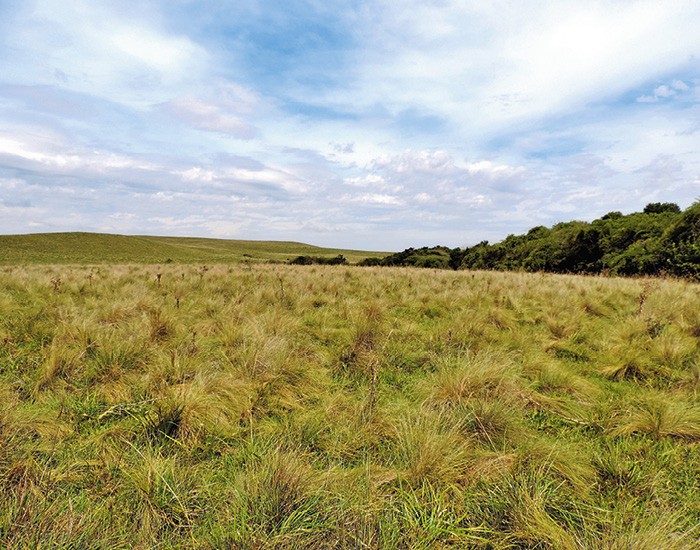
369 125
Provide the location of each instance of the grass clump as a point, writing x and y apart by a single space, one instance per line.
281 499
658 418
485 375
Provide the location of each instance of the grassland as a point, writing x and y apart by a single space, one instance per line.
272 406
99 248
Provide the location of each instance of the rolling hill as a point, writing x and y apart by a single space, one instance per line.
99 248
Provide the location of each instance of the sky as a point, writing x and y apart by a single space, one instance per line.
371 124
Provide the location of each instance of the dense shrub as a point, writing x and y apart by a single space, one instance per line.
661 239
310 260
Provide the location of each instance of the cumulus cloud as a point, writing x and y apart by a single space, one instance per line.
374 199
197 173
665 91
440 172
488 168
370 180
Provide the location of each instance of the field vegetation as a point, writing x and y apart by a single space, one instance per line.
100 248
661 240
276 406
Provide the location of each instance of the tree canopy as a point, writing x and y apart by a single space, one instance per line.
660 239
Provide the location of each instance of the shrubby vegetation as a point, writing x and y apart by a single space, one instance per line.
437 257
260 406
661 239
319 260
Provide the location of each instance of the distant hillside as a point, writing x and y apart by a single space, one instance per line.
661 239
98 248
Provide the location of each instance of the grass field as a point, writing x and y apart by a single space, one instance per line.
273 406
98 248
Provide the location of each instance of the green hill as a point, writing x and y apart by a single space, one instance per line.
98 248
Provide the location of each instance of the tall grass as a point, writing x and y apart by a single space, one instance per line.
267 406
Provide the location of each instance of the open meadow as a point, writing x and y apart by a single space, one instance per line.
275 406
105 249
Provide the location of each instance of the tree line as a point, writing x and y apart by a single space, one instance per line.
319 260
661 239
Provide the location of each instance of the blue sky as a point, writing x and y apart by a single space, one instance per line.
374 125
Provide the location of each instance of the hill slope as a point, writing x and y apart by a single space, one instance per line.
97 248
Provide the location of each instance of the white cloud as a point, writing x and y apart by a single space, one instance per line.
370 180
58 157
10 184
373 199
416 161
665 91
126 216
164 53
108 51
490 169
176 221
197 173
224 228
485 65
478 200
228 177
137 117
419 171
209 117
278 178
224 107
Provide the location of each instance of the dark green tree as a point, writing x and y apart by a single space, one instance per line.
661 208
